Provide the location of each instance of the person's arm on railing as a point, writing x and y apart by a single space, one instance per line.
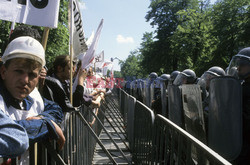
46 125
13 137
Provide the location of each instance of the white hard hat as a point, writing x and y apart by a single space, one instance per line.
25 47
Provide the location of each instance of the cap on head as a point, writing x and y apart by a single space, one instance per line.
25 47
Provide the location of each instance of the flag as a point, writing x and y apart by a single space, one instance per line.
79 43
30 12
90 39
86 59
100 57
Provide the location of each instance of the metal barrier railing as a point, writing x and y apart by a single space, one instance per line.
143 127
173 145
160 141
81 135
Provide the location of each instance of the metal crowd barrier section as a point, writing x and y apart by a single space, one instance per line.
143 127
173 145
130 120
81 135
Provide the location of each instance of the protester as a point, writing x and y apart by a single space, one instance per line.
23 60
61 71
241 61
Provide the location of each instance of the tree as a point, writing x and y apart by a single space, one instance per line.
130 67
231 29
164 15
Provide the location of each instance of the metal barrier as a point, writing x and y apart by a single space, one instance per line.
160 141
130 121
81 135
173 145
143 127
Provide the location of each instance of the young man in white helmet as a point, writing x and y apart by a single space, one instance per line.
23 60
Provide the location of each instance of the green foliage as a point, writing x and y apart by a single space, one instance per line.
58 40
130 67
193 34
117 74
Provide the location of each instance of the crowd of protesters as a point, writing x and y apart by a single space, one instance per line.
34 99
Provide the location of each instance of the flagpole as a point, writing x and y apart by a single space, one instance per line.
45 37
71 47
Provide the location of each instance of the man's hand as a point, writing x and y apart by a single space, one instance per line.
81 76
42 77
61 140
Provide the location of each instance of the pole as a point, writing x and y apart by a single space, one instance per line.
45 37
70 18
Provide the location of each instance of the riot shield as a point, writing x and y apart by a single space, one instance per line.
147 92
140 90
175 105
144 95
163 99
152 91
225 117
193 112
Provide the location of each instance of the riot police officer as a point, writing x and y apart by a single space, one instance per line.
173 75
187 76
241 61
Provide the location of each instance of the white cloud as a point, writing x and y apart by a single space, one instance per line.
121 39
82 5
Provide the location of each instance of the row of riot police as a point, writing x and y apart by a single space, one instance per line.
215 108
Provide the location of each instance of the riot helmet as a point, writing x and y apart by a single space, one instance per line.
165 77
241 62
174 74
214 71
153 75
187 76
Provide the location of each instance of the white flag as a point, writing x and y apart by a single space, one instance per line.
90 39
89 55
100 57
31 12
79 43
91 51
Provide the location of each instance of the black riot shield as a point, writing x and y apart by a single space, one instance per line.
225 117
175 105
163 99
193 112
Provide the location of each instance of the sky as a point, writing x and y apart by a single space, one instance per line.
123 27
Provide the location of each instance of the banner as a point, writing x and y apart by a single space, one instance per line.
88 57
31 12
79 43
